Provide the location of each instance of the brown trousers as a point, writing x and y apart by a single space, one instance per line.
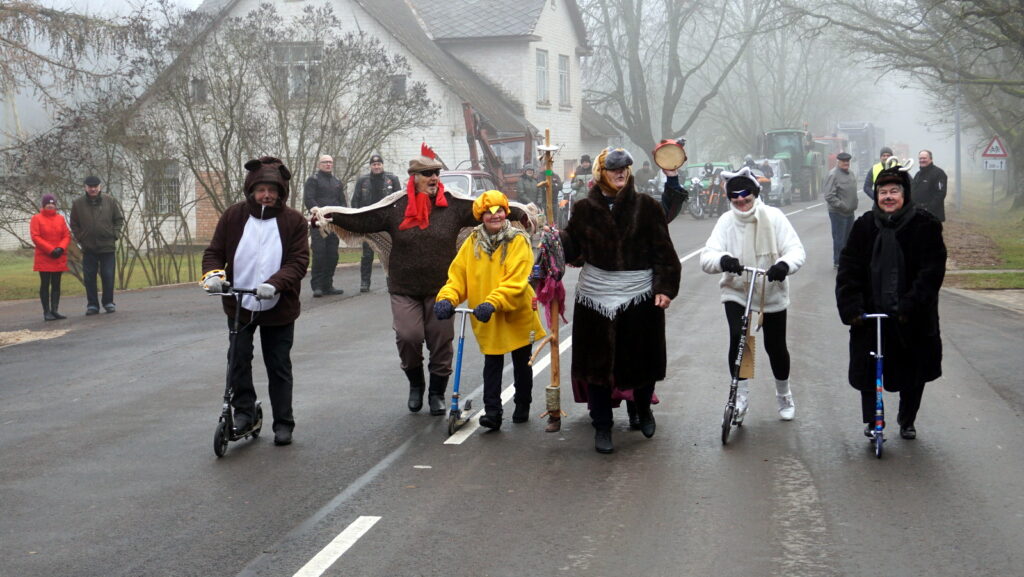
414 323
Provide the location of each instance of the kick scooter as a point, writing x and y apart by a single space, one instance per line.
225 432
877 435
730 417
458 417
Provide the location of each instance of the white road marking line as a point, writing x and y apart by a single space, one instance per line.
506 395
337 547
422 467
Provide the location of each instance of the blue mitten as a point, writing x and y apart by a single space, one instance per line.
443 310
483 312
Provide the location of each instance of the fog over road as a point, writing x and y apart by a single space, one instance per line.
106 445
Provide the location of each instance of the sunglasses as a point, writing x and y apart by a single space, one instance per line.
433 172
733 195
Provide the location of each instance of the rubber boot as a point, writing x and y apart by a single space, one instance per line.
54 303
634 419
416 387
435 397
365 271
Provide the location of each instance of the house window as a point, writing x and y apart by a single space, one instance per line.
563 80
198 91
397 86
297 65
162 186
542 77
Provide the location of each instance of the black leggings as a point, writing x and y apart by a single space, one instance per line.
774 331
522 372
49 288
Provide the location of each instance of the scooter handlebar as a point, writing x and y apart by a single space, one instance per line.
755 270
874 316
232 291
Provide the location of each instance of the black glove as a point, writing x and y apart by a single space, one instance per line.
777 272
55 253
443 310
731 264
483 312
856 320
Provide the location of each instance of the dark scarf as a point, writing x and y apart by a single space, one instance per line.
888 267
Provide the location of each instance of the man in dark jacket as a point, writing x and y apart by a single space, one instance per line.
370 189
894 263
261 243
840 190
526 188
930 186
96 222
323 189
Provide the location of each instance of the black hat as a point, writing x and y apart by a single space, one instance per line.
92 180
844 156
742 179
895 174
885 150
585 158
376 158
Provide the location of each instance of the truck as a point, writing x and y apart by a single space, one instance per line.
866 140
833 144
804 156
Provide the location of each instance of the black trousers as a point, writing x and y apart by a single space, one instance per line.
276 345
521 372
103 263
910 404
366 266
773 335
325 260
601 404
49 290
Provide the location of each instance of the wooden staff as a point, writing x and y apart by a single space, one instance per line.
554 411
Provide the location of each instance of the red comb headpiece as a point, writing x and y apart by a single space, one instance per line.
425 150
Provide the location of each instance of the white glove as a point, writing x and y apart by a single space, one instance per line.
265 291
216 284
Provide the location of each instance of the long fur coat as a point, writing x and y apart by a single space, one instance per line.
628 351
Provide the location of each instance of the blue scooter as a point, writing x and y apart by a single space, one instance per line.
877 435
456 416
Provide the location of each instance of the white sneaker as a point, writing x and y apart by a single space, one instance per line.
787 409
741 406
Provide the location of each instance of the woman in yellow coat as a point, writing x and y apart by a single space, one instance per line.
492 272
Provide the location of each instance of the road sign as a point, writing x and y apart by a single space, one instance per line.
995 163
995 149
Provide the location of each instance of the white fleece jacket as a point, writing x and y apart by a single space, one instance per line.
727 239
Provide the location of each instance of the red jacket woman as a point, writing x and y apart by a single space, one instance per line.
51 236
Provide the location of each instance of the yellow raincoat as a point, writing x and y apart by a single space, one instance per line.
514 323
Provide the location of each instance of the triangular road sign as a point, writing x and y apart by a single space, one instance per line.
995 149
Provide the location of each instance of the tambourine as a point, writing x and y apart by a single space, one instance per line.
670 154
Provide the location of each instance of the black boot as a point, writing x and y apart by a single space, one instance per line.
416 387
522 412
491 420
48 316
634 420
646 419
365 271
54 303
603 441
435 398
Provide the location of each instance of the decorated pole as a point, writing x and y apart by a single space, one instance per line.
554 411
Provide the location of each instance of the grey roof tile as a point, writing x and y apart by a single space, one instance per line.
451 19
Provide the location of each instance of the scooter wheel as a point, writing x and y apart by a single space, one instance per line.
453 423
220 439
259 423
879 440
727 424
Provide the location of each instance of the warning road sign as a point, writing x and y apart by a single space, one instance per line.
995 149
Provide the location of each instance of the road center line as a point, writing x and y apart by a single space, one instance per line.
337 547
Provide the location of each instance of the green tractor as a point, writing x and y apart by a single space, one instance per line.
805 157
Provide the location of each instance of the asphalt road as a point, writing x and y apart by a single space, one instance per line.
107 465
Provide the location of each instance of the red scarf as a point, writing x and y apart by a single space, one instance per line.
418 211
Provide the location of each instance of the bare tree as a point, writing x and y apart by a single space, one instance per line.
974 48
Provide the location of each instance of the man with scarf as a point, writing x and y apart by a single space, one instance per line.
756 235
630 276
423 224
894 263
371 188
491 273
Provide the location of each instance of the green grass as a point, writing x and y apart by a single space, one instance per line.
19 281
1004 227
986 281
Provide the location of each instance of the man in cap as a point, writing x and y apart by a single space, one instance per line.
869 178
370 189
260 242
581 179
526 188
323 189
841 197
930 186
96 223
423 225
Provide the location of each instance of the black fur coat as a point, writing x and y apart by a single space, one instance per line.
628 351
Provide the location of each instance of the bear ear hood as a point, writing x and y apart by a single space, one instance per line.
268 169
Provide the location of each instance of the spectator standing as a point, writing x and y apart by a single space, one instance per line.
841 197
324 189
869 178
581 179
96 223
930 186
51 237
370 189
261 243
527 189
